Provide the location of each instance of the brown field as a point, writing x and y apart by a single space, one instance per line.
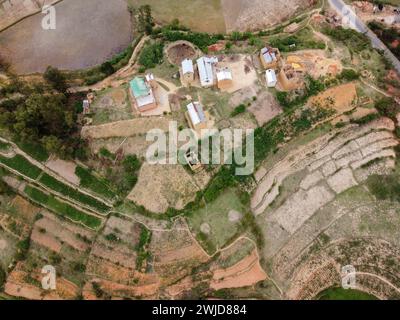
341 98
161 180
246 272
248 15
198 15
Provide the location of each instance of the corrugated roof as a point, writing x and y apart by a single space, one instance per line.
206 73
196 113
268 55
187 66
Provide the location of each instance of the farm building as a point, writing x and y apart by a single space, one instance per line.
269 58
187 71
196 116
224 78
270 76
142 92
205 65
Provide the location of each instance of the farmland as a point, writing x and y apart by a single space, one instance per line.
78 190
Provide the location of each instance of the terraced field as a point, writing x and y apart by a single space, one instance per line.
318 214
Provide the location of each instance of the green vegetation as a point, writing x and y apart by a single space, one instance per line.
4 146
300 41
349 75
385 187
91 182
142 18
387 35
22 249
151 55
238 110
69 192
22 165
366 119
38 114
344 294
62 208
387 107
56 79
351 38
313 87
35 150
201 40
141 248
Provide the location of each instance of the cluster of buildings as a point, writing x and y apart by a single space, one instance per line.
289 74
208 73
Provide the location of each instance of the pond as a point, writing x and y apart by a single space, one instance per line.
87 33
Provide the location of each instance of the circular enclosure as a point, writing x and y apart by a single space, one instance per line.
178 51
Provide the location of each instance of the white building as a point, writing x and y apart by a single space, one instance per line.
196 116
224 78
187 70
205 66
270 76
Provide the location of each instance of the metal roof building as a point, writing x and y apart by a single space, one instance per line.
196 113
270 76
206 71
187 66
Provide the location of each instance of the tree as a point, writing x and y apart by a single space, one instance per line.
107 68
56 79
145 21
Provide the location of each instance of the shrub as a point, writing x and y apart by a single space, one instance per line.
387 107
239 109
349 75
151 55
57 80
107 68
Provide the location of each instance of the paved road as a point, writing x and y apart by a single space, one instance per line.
360 26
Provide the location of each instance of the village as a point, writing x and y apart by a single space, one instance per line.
324 108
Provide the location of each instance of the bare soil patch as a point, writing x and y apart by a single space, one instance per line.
179 51
246 272
173 186
342 98
248 15
66 169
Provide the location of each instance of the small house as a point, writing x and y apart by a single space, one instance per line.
142 93
196 116
187 71
205 66
224 78
270 76
269 58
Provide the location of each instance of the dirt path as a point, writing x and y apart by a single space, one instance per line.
118 78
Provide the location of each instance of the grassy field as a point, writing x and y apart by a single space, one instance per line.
67 191
215 214
23 166
62 208
343 294
90 182
191 13
36 151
